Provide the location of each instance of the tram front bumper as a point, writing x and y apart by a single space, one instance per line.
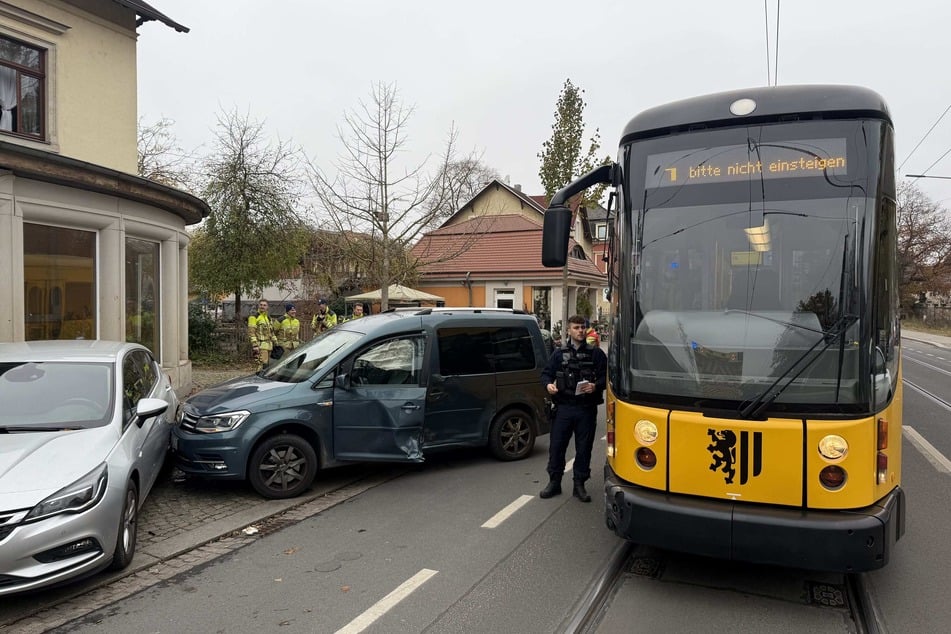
856 540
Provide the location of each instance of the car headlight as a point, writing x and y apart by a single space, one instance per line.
82 494
220 422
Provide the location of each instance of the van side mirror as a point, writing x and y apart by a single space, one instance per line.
342 380
557 229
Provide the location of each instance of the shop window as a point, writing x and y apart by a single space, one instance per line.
59 268
141 293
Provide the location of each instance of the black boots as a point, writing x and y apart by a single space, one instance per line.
552 489
579 492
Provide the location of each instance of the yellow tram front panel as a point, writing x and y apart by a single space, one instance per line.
739 460
862 485
624 461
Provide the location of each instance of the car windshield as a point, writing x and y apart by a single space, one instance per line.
302 363
55 395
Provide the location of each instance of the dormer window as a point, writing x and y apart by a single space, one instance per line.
22 82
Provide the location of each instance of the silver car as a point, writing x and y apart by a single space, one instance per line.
84 431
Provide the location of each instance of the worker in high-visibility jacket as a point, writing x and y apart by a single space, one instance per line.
289 333
261 333
324 319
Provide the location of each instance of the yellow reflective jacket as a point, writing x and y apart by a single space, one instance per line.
260 332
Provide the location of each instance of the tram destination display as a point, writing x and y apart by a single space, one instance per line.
825 158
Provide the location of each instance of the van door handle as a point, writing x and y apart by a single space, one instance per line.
409 407
325 404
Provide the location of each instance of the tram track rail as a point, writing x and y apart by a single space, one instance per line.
853 595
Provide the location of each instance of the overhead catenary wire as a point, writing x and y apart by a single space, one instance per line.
923 140
924 174
776 55
769 79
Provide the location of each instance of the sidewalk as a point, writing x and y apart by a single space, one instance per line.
940 341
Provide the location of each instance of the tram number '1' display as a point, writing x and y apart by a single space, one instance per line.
781 159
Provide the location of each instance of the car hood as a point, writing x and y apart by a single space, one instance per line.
241 393
33 465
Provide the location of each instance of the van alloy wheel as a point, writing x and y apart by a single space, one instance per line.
512 436
282 466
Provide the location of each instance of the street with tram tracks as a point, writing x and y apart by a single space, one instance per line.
464 544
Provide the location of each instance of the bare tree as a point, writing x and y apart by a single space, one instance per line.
924 245
379 206
460 179
161 158
254 234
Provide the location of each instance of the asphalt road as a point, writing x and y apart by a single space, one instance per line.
463 543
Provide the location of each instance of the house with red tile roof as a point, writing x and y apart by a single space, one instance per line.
489 254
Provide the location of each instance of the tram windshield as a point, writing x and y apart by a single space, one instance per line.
747 264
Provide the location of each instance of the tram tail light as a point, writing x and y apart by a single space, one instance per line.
881 463
832 477
646 458
882 434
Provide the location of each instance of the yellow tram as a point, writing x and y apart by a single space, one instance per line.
754 403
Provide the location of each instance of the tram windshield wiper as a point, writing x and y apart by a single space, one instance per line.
754 408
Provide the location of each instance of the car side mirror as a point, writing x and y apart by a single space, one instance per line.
342 381
147 408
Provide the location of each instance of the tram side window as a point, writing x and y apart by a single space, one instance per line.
886 307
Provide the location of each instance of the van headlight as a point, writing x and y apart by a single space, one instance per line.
220 422
82 494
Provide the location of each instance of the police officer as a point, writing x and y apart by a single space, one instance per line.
262 336
575 378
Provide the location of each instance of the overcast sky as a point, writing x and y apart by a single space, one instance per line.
496 68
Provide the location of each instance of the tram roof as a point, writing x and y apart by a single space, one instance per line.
713 111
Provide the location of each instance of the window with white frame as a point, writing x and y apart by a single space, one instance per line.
22 86
601 231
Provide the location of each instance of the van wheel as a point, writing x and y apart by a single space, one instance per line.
282 466
512 436
128 529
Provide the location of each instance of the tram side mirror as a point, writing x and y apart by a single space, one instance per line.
555 235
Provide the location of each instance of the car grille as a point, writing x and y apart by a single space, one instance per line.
187 421
9 580
10 520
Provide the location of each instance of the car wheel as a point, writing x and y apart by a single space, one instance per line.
128 529
282 466
512 435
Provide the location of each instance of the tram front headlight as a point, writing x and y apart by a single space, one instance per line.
833 447
645 432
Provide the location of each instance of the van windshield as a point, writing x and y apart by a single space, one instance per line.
303 363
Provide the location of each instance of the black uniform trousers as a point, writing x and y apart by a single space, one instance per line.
582 421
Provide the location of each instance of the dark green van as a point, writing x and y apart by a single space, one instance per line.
390 387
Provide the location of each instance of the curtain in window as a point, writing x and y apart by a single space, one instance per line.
8 96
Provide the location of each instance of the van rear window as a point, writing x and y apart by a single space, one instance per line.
464 351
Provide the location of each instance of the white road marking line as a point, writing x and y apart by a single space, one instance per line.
933 456
384 605
569 465
507 512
